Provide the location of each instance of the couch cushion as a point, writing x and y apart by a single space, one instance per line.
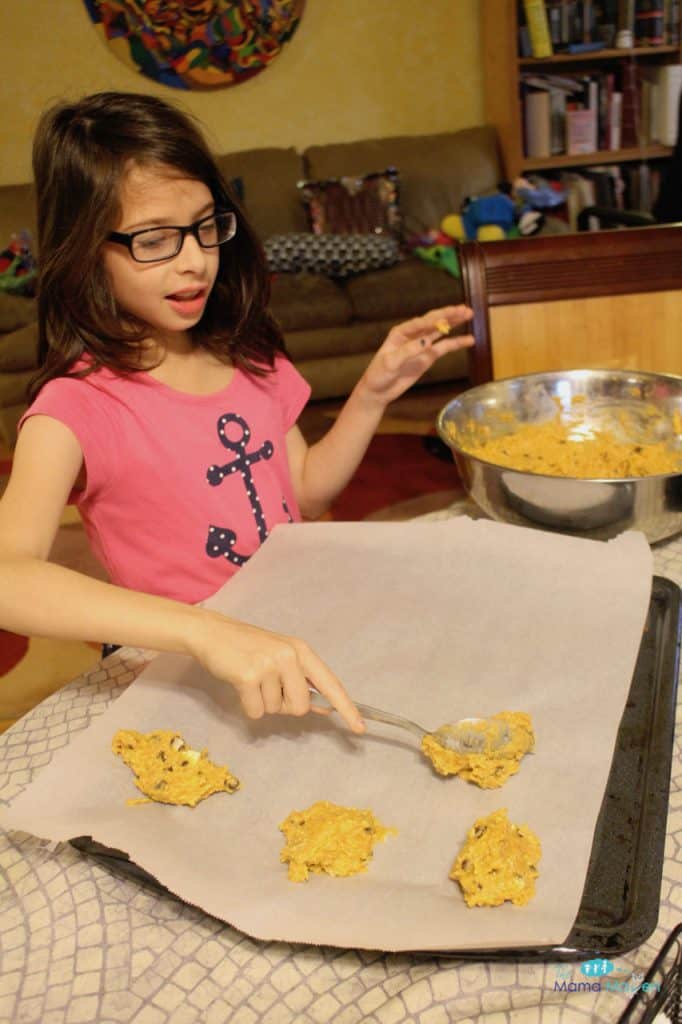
301 301
15 311
19 349
334 343
17 211
13 387
9 420
403 291
436 171
331 378
269 178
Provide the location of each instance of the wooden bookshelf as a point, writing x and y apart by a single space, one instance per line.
654 151
597 56
502 69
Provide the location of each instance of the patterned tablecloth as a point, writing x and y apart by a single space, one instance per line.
79 944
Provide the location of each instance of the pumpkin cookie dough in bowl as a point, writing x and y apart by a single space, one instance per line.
587 452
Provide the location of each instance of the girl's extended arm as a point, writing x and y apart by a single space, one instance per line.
269 671
321 471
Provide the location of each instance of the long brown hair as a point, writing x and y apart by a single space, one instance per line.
81 153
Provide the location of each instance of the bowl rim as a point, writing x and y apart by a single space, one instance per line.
545 375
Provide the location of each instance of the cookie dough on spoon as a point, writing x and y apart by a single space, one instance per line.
492 764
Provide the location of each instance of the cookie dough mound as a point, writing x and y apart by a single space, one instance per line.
498 862
168 771
487 769
329 838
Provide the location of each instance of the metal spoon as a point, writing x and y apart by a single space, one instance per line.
463 737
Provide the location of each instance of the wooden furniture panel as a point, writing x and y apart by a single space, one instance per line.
597 333
600 299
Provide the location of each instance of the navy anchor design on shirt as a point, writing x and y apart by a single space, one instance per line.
221 540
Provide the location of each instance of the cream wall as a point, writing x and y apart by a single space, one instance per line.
354 69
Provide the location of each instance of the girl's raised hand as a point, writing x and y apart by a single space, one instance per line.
271 673
410 349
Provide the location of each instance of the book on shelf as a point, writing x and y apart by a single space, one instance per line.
655 186
609 185
588 21
557 121
554 20
633 105
615 120
649 23
581 130
667 89
652 111
568 23
576 26
591 84
580 192
631 187
645 110
643 183
525 49
538 27
672 22
537 123
619 187
545 119
626 16
630 119
567 83
606 90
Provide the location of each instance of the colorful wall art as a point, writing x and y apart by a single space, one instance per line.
196 44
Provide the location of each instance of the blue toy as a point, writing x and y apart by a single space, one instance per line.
498 210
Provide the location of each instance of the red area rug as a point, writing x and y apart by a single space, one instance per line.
397 475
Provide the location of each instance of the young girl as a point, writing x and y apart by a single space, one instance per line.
166 403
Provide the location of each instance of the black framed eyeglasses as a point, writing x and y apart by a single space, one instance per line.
152 245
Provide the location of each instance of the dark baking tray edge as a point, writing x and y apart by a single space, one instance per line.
599 930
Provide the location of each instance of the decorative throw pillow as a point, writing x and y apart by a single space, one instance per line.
18 271
331 255
368 203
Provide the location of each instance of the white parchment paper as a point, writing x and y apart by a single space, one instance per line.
433 620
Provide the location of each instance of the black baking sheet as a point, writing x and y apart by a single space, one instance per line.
619 906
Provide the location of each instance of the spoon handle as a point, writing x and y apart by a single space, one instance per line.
375 715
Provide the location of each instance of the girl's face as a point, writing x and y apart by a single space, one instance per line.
169 296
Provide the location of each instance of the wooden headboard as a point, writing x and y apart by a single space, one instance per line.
605 299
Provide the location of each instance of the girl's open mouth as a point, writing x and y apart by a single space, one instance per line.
188 302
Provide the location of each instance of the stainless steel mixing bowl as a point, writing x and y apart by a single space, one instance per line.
590 508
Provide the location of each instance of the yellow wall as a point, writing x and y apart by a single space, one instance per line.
354 69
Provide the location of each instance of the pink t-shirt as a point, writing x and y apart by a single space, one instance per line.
181 489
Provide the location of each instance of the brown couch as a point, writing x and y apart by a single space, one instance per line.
331 328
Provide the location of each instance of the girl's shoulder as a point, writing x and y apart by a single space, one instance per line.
283 369
282 375
91 392
289 389
81 370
